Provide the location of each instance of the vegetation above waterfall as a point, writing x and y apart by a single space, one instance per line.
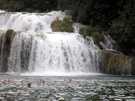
93 32
116 17
65 25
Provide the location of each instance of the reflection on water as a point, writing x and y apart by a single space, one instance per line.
86 88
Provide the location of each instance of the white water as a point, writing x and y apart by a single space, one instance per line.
36 22
43 52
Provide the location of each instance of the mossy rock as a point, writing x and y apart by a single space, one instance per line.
10 34
92 32
65 25
116 63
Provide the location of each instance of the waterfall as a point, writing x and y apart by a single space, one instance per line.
35 48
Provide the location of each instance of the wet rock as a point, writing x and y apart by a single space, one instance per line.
5 45
117 63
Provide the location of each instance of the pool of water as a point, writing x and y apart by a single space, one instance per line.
67 88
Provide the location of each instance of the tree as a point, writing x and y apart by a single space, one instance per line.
123 28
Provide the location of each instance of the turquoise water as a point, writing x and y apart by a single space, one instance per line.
75 88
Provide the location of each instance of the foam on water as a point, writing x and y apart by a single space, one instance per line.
75 74
36 22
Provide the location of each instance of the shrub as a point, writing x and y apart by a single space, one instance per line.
65 25
92 32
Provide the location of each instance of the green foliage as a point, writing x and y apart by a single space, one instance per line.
64 25
91 12
92 31
115 16
28 5
123 28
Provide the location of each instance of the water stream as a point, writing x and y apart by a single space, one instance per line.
36 49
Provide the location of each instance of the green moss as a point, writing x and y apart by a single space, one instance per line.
92 31
65 25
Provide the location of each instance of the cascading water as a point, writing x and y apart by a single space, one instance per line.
36 49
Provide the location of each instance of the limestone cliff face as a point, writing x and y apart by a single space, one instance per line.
117 63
